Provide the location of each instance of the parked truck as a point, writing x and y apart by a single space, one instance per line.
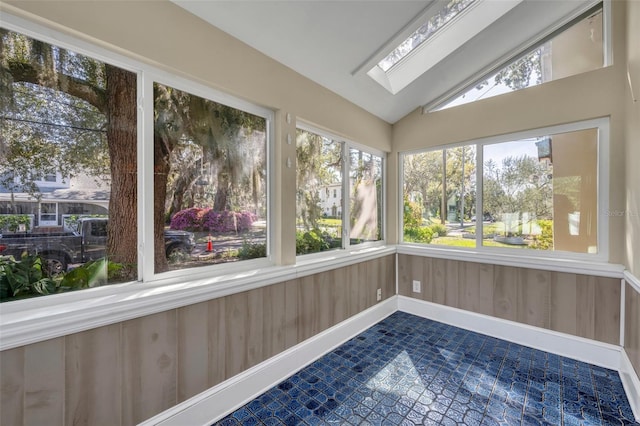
86 242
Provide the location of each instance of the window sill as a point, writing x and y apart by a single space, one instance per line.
575 266
33 320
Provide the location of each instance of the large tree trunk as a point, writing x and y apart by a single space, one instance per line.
121 112
162 166
222 192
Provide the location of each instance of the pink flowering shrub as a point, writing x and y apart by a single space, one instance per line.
196 219
187 219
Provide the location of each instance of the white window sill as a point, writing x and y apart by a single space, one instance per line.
32 320
516 259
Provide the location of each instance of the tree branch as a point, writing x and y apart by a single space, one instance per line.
96 96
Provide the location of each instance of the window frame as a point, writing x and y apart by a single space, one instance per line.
145 193
146 75
346 145
526 48
602 193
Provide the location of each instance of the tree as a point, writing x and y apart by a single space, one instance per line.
439 178
518 184
319 164
521 73
96 87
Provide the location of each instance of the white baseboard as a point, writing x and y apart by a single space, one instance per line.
218 401
591 351
631 383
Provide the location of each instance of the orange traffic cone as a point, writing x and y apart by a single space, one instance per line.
209 244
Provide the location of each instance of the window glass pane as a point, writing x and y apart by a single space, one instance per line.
576 50
426 30
210 199
542 193
365 188
319 193
440 196
68 115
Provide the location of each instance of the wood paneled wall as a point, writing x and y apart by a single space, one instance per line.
580 305
632 326
124 373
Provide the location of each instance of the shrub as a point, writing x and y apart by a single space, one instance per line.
23 278
252 250
187 219
412 216
13 221
418 235
544 241
196 219
313 241
92 274
440 229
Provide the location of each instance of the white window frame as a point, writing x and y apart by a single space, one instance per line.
526 48
41 221
37 319
185 85
346 194
602 124
146 76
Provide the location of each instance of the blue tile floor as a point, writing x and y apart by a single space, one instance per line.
408 370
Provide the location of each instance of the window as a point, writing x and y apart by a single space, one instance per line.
577 49
365 189
60 117
440 196
322 168
537 190
48 214
210 176
69 176
453 23
319 169
426 30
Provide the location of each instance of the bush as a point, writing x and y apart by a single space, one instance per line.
544 241
418 235
412 216
313 241
12 222
93 274
252 250
188 219
440 229
23 278
196 219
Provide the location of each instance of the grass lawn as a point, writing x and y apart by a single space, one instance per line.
330 222
465 242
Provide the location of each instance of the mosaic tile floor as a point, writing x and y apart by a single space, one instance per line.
408 370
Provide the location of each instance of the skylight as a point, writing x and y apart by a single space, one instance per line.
578 48
447 28
426 30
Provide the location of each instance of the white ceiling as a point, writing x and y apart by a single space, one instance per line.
335 42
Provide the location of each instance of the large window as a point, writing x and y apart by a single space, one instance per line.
439 195
72 178
65 114
210 181
536 191
322 208
365 190
577 49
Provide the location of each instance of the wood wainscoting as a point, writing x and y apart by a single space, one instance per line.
124 373
632 325
581 305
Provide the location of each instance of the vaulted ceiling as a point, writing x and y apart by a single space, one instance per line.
336 42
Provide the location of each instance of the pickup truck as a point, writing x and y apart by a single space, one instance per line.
87 242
